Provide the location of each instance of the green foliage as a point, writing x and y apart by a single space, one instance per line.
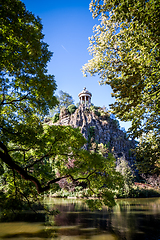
116 123
148 154
55 117
127 173
139 192
26 90
92 131
97 113
97 172
104 114
91 135
71 108
96 110
64 101
125 53
103 149
78 192
1 170
92 107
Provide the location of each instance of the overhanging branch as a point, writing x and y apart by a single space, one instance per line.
24 174
14 100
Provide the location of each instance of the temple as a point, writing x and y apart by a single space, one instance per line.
85 97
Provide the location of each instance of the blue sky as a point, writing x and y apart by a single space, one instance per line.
67 26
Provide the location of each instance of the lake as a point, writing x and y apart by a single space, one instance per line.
130 219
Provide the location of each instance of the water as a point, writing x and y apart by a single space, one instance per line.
130 219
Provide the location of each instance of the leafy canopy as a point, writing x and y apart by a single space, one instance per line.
26 88
125 51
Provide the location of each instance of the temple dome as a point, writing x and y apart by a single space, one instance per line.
85 97
85 92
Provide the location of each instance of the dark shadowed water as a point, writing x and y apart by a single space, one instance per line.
130 219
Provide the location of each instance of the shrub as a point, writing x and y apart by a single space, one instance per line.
91 135
56 117
97 113
71 108
116 123
92 107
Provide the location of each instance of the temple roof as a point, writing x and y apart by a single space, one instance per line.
85 92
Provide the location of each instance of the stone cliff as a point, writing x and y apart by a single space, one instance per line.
97 126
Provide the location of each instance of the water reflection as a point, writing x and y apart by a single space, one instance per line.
130 219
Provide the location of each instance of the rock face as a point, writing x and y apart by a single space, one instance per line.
101 129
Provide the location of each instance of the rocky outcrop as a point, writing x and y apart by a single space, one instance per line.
100 129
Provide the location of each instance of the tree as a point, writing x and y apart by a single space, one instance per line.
26 88
128 176
55 117
125 53
65 100
148 155
35 156
71 108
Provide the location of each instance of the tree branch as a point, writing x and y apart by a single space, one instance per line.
38 160
19 149
6 158
14 100
11 132
46 155
83 178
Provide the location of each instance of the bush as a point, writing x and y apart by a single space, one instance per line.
97 113
91 135
116 123
56 117
71 108
104 114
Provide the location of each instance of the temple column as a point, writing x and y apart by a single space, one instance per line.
85 97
